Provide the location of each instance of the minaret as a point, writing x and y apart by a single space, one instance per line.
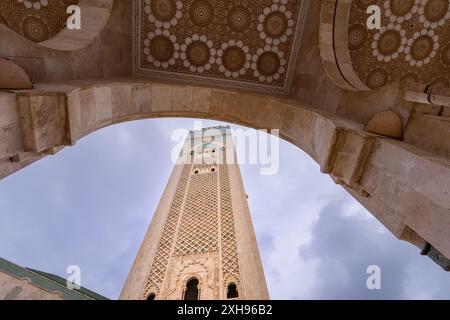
200 243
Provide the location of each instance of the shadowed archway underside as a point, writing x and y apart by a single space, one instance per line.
44 120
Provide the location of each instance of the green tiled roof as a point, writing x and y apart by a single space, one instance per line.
48 282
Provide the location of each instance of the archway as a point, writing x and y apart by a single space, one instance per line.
41 121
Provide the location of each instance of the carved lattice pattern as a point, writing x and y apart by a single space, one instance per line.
199 223
230 262
193 222
158 269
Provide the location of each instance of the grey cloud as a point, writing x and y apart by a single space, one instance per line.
345 245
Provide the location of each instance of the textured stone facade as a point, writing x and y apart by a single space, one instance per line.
202 230
387 146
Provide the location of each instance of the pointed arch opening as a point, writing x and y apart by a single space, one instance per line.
192 291
232 291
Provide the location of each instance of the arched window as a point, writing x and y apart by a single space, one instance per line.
213 169
191 291
151 296
232 291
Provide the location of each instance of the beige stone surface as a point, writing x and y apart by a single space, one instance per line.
12 288
386 123
404 183
94 14
13 76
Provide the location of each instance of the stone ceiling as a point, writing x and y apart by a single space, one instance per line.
36 20
413 43
249 44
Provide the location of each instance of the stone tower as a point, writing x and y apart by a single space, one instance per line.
201 243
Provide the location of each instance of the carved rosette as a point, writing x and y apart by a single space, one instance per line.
197 53
276 23
163 13
389 42
201 13
268 64
422 47
161 48
233 58
400 11
434 13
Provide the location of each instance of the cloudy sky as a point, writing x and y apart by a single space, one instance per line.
90 206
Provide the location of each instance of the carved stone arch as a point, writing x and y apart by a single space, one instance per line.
411 46
40 122
151 296
150 291
186 269
187 273
34 23
232 280
94 16
193 277
333 39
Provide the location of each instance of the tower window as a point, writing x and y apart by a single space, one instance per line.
191 291
232 291
196 171
213 169
151 296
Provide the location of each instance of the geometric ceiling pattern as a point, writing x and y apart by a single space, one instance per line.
242 43
412 45
36 20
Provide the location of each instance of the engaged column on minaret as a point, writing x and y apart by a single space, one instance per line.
201 243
